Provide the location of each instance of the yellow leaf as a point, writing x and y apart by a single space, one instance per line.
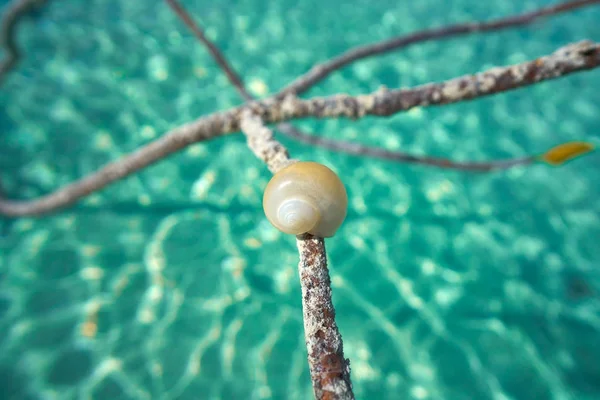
562 153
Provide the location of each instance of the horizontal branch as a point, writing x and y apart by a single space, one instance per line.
569 59
584 55
321 71
399 156
358 149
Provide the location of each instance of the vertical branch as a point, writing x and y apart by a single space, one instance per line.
8 26
329 369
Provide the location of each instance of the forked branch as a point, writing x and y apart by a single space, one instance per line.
329 369
566 60
323 70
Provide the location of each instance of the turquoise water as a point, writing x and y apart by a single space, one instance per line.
172 284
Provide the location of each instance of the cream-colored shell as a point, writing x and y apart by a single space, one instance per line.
306 197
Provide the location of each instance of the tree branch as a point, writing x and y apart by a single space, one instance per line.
8 26
378 48
171 142
566 60
398 156
233 77
575 57
262 143
329 369
321 71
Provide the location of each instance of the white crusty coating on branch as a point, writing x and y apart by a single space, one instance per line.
329 370
262 143
581 56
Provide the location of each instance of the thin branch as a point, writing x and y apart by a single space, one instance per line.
8 27
234 78
173 141
329 369
566 60
363 150
398 156
321 71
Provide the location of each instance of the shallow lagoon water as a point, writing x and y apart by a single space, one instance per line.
172 284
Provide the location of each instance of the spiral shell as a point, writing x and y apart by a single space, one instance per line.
306 197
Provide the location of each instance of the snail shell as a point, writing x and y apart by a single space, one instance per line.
306 197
